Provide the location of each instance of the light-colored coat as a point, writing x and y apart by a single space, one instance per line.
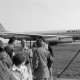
5 64
39 61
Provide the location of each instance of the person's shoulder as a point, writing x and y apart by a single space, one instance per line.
29 50
23 67
41 50
7 47
18 49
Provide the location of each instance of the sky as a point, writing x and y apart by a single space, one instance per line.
39 15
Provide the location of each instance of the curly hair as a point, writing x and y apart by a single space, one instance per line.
18 59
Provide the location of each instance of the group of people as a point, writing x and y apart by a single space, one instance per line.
25 63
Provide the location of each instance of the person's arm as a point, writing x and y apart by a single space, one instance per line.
35 60
31 54
50 57
50 60
50 48
7 60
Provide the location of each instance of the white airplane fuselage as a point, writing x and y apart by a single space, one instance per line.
51 36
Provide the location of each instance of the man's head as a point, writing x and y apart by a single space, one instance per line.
11 40
39 42
23 42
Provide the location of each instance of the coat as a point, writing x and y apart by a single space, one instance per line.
6 59
10 50
5 64
39 61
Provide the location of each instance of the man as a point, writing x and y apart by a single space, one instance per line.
26 50
39 61
10 47
28 53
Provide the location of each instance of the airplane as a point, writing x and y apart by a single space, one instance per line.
53 37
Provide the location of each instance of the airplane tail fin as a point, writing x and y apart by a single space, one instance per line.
2 28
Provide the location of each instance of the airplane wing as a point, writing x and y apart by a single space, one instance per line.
27 36
53 39
16 35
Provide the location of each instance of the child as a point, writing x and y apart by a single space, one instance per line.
19 70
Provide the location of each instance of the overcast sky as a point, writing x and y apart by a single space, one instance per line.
38 15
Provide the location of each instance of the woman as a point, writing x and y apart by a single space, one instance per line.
5 65
19 70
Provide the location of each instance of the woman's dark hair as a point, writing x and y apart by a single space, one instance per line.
11 40
18 59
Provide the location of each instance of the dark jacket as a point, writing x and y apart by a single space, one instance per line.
50 48
10 50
